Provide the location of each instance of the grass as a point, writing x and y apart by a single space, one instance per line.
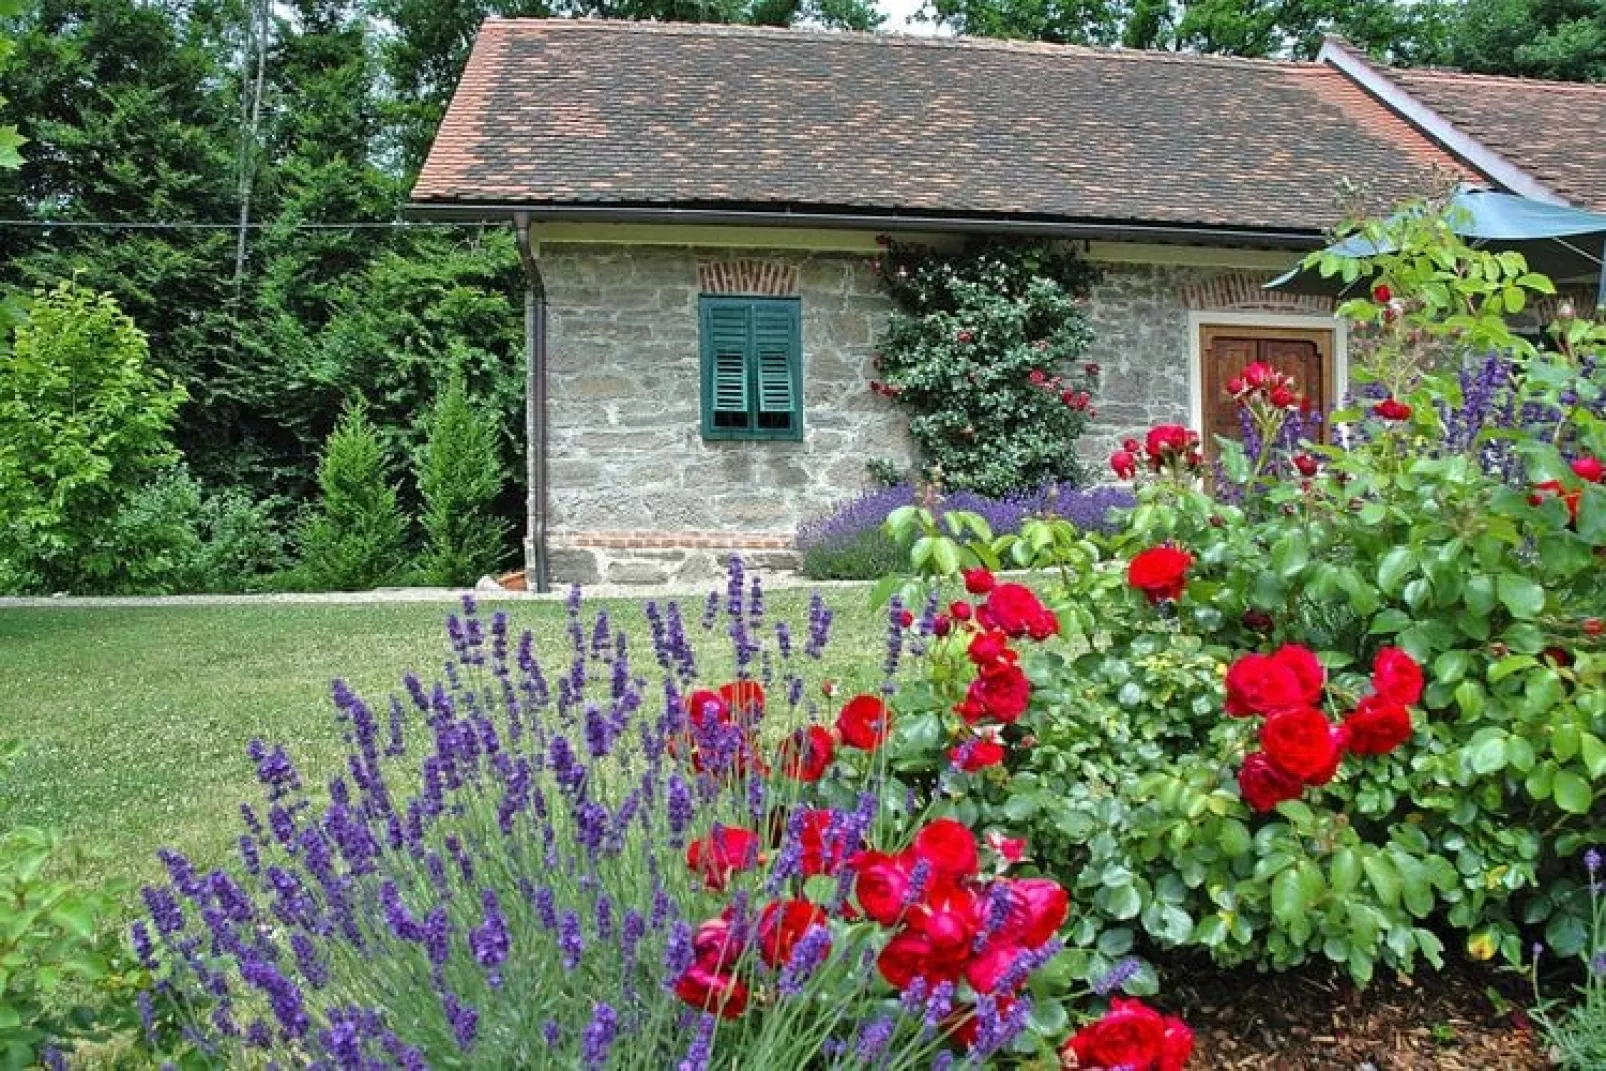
134 721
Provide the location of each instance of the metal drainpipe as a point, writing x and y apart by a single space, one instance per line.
536 573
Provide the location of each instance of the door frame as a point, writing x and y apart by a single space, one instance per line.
1337 375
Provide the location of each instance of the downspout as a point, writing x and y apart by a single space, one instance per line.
536 574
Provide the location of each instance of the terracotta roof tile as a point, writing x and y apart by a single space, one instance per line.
1555 131
556 112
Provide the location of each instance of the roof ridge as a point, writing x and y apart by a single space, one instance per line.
1504 79
905 40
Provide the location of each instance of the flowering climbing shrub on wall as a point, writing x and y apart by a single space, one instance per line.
985 351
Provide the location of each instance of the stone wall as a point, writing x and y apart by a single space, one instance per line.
638 496
627 456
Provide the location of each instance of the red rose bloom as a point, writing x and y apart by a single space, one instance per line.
1123 464
1043 626
948 847
1262 684
1001 692
723 994
714 947
1392 409
1160 572
1130 1035
807 754
1263 786
949 922
1302 662
1259 374
1301 743
1164 440
1396 676
1044 906
1589 469
979 581
864 722
725 851
909 956
976 754
881 883
703 706
988 968
1013 609
1377 726
781 926
1306 465
1284 398
959 611
821 852
745 699
1176 1045
989 647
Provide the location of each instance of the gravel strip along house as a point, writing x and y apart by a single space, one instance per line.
698 206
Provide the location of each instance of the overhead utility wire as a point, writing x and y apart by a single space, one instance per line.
177 225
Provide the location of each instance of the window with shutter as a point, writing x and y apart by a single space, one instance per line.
752 368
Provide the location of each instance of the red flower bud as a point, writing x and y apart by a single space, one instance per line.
1391 408
1305 464
1123 464
1235 386
1592 626
1283 398
1589 469
1382 294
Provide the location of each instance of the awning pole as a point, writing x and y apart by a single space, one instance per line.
1600 287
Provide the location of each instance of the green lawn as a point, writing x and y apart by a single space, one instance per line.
135 721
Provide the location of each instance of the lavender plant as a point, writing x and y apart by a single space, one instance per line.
536 864
849 543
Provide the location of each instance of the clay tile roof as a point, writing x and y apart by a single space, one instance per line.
572 112
1555 131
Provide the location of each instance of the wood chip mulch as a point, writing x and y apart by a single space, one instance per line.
1465 1018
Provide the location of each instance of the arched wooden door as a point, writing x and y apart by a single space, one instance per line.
1224 350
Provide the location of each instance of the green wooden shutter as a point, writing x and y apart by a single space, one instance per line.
726 344
752 374
777 368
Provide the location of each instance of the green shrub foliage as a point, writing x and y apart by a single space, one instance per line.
356 536
1464 529
84 423
459 477
984 352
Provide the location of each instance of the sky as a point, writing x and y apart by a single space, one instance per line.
900 15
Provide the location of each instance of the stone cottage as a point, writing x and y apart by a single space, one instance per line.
698 206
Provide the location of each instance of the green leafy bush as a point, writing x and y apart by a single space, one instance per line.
63 975
356 536
459 477
1476 551
983 352
84 423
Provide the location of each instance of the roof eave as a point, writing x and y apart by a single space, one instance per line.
1336 52
469 211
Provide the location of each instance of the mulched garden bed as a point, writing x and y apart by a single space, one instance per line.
1465 1018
